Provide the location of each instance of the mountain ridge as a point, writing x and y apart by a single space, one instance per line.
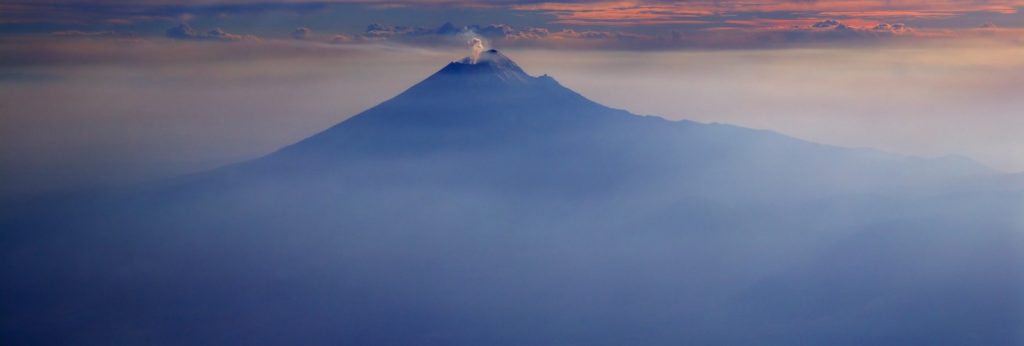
467 107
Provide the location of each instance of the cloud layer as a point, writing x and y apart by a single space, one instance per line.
627 24
185 32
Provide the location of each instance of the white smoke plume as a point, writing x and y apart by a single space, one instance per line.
476 46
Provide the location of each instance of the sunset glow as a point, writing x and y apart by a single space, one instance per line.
512 172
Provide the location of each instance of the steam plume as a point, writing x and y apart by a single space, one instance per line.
477 46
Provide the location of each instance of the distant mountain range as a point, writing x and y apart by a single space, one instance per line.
487 206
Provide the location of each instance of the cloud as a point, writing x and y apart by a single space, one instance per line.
712 12
891 28
500 34
182 31
491 30
302 33
78 33
834 29
185 32
342 38
447 33
751 36
626 24
377 31
20 53
828 23
566 35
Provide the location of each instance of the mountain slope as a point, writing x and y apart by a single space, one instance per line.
495 119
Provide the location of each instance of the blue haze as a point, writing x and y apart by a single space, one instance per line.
487 206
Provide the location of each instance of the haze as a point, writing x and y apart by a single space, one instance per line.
146 116
462 172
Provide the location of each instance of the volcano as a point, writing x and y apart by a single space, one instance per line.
484 205
496 125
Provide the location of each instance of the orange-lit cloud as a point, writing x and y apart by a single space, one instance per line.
623 24
710 12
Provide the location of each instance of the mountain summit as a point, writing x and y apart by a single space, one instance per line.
463 105
489 63
492 75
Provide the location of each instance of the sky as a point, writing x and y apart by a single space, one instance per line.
103 91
